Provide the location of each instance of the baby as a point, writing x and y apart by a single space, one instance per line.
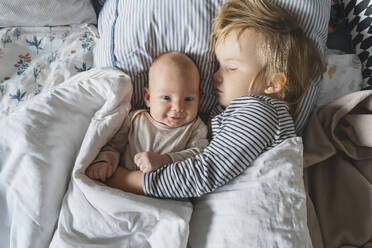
170 129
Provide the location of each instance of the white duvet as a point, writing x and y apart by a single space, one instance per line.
47 201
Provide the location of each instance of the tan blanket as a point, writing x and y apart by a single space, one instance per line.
338 172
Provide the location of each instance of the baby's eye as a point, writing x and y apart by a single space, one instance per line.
189 99
166 97
231 68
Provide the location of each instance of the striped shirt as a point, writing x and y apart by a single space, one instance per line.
249 126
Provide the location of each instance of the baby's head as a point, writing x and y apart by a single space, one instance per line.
173 91
262 50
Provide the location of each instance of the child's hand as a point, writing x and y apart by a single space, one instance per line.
150 161
100 170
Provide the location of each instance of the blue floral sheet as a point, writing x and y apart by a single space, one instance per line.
34 59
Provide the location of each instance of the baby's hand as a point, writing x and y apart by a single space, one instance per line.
150 161
100 170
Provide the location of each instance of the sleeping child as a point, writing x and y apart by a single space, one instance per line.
266 64
170 127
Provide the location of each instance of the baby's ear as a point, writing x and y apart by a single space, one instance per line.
146 96
276 83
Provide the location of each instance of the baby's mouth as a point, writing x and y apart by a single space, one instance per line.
175 118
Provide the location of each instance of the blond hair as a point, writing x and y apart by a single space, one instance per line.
285 49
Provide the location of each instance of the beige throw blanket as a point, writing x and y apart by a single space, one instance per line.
338 172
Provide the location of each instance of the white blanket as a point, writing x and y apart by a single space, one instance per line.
263 207
38 149
58 133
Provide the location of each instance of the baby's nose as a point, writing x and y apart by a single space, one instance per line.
177 106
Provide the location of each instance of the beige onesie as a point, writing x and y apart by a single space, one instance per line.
141 133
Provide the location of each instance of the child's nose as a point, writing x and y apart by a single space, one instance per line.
217 77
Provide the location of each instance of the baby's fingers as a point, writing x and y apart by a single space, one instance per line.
105 172
96 173
89 172
109 171
92 172
102 174
142 168
145 168
138 157
138 161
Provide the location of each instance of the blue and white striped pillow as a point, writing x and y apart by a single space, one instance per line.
134 32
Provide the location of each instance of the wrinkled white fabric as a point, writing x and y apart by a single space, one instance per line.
263 207
93 214
39 144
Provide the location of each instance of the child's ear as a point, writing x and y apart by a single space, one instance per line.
146 96
276 83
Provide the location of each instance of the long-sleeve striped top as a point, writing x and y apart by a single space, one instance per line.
249 126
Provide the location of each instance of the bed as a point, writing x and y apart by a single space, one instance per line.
67 78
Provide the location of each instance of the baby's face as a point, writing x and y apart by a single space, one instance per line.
173 96
240 62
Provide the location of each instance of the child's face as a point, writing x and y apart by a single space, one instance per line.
240 62
173 96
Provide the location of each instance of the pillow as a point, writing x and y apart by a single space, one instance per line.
343 76
133 33
46 12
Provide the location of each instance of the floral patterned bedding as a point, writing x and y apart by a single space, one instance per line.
35 59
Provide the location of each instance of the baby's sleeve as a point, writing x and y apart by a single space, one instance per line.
110 153
196 144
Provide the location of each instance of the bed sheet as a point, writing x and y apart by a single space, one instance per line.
34 59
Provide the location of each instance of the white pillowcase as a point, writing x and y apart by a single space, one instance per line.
46 12
343 76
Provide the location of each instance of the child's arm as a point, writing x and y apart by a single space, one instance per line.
130 181
240 141
243 135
